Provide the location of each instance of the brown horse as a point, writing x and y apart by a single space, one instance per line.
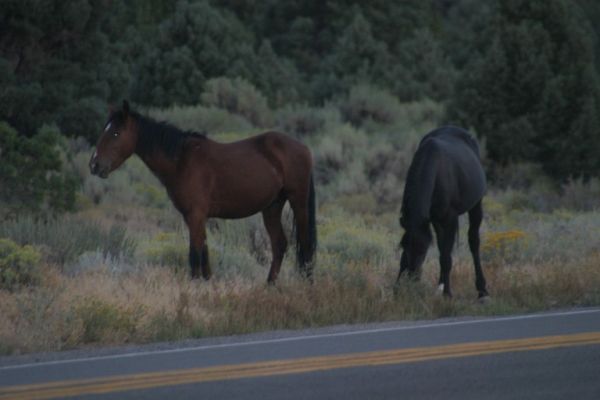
206 179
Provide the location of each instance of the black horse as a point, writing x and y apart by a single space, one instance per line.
445 180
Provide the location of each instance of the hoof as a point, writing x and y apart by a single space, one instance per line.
272 287
440 289
439 292
485 299
400 287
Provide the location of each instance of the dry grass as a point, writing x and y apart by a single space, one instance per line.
99 300
158 304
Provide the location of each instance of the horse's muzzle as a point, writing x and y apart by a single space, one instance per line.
94 168
97 169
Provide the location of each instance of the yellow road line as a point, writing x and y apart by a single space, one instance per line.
281 367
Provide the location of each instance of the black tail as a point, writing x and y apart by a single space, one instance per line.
305 257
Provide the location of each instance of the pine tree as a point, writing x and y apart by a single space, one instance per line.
197 42
535 94
31 176
58 65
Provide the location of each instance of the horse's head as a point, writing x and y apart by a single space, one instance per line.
116 143
415 243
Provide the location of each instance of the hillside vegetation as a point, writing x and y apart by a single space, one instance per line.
85 261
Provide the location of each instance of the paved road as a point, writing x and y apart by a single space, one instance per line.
540 356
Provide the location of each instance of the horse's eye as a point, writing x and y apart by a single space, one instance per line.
115 134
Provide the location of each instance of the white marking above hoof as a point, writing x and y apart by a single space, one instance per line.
440 289
484 300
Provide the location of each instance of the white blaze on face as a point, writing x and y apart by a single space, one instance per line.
108 126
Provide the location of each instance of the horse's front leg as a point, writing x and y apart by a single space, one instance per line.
446 236
198 248
403 266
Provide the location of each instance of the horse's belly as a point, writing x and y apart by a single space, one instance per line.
237 211
245 200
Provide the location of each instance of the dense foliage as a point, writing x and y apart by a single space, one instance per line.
31 169
523 74
534 92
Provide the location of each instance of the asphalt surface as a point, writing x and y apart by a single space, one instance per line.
538 356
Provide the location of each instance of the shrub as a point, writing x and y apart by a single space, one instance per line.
241 248
366 103
359 203
341 150
414 119
518 175
377 111
132 184
167 249
202 119
105 322
98 261
65 239
31 174
306 121
19 265
386 165
520 237
236 248
580 195
345 241
240 97
500 248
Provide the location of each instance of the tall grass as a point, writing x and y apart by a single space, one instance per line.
161 304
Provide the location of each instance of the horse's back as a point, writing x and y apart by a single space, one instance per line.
277 147
454 136
289 154
281 141
460 180
291 159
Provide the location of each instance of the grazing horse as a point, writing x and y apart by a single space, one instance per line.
445 180
206 179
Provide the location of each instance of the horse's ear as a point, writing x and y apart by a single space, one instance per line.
111 109
125 108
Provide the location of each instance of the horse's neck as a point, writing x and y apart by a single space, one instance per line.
418 194
161 166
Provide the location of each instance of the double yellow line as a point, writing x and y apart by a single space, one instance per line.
282 367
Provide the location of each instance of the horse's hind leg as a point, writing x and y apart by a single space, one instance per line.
475 218
272 221
446 235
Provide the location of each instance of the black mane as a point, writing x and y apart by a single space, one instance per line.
409 189
154 135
